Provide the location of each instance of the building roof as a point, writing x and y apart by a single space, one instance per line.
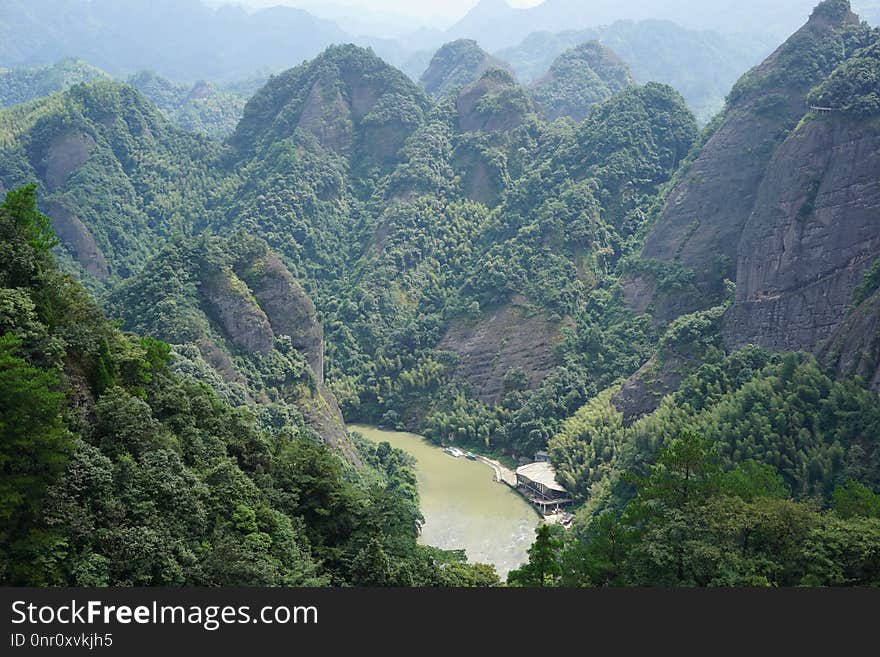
541 472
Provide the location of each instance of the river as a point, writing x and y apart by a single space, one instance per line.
464 507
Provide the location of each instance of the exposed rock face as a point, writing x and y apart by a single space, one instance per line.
512 336
783 203
248 312
705 214
643 391
79 239
854 347
66 153
290 311
456 64
811 237
232 305
481 178
326 115
323 415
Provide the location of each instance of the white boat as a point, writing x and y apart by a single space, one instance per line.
453 451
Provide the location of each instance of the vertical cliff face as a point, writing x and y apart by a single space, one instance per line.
811 237
241 322
782 200
289 309
702 223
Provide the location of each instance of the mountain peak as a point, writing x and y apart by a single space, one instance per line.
580 78
347 98
455 64
835 12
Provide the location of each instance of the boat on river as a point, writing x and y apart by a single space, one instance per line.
453 451
470 456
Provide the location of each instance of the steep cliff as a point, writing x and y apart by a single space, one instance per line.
705 214
513 336
782 200
239 321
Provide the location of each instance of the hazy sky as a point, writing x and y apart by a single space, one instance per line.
423 8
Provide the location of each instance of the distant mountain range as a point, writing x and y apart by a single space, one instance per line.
700 50
497 25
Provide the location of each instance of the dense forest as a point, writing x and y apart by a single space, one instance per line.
199 292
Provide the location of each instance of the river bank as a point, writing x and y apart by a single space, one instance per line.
463 504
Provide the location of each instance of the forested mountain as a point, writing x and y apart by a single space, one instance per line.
116 177
643 298
118 471
21 85
201 108
497 25
456 64
703 65
578 79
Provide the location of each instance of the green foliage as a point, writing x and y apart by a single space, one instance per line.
870 283
22 85
201 108
854 87
690 524
454 65
32 224
853 499
808 57
34 447
139 181
580 78
781 411
119 472
543 567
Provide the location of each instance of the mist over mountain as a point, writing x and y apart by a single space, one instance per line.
183 40
456 64
497 25
200 293
702 65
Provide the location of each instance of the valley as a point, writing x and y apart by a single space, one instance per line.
210 293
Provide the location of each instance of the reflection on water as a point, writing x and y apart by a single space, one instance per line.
464 507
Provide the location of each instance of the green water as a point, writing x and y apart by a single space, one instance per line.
464 507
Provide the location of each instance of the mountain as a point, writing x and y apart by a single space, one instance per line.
496 25
183 40
456 64
757 224
776 225
578 79
21 85
237 319
702 65
115 176
202 108
655 305
120 472
348 99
